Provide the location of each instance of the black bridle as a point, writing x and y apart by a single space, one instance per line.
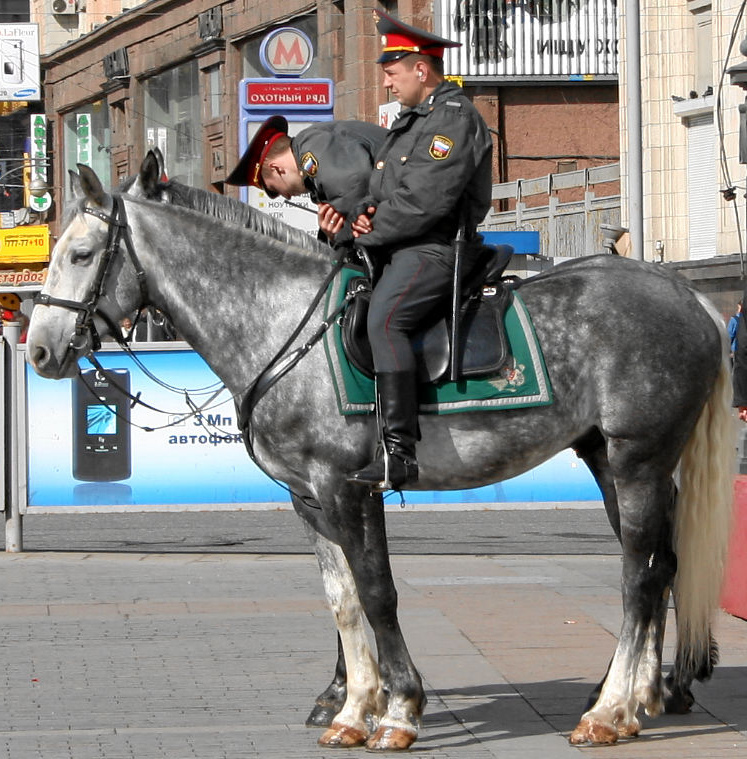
86 334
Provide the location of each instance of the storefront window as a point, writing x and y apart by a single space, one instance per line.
172 121
87 140
254 68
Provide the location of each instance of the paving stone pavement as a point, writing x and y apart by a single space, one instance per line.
213 655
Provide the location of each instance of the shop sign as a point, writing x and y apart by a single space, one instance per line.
11 106
39 162
20 278
29 244
83 138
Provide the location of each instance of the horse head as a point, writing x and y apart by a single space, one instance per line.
84 297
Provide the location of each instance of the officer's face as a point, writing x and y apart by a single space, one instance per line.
283 181
404 81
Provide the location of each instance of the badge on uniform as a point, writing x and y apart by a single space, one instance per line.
309 164
440 147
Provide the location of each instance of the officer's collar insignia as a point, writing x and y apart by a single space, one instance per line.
440 147
309 164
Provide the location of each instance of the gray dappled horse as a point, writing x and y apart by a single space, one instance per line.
639 367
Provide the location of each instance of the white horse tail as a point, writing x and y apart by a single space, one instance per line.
703 519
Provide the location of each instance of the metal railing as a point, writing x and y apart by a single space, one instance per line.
568 229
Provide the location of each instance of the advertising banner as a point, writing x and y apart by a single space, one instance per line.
88 450
27 244
537 39
87 447
19 62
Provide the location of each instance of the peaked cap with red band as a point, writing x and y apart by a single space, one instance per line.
248 171
399 39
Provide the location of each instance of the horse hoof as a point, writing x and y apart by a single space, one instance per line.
342 736
321 716
631 730
391 739
596 733
679 702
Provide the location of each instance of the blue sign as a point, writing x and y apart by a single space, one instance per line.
175 461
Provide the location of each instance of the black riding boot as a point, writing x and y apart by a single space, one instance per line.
398 399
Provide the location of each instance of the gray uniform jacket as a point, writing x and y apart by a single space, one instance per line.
437 159
336 158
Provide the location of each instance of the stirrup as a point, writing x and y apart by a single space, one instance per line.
378 474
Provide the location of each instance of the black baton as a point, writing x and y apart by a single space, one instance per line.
456 300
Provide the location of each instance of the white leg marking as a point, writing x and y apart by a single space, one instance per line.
364 694
648 689
617 704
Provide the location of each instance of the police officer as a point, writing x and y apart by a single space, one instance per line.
330 160
432 174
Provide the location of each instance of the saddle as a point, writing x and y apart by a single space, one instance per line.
483 347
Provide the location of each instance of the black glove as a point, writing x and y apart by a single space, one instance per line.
362 208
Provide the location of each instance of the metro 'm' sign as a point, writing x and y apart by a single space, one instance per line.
286 52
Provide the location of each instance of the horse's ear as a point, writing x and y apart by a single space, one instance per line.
91 185
150 173
75 184
158 155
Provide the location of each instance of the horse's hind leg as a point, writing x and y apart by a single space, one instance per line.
592 449
678 698
634 675
363 698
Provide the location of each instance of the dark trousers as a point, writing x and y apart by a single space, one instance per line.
414 289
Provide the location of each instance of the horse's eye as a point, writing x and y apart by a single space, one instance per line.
80 256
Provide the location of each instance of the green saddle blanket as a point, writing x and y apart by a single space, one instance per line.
522 382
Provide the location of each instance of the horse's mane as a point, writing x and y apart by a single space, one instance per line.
234 211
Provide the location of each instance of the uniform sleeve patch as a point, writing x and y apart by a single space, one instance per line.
309 164
440 147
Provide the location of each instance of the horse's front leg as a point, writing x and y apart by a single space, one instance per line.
363 539
363 698
330 701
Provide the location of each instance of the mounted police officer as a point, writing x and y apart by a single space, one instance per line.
331 161
432 175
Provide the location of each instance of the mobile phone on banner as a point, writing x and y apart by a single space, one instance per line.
101 425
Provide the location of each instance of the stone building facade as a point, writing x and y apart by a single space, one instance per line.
690 129
167 72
